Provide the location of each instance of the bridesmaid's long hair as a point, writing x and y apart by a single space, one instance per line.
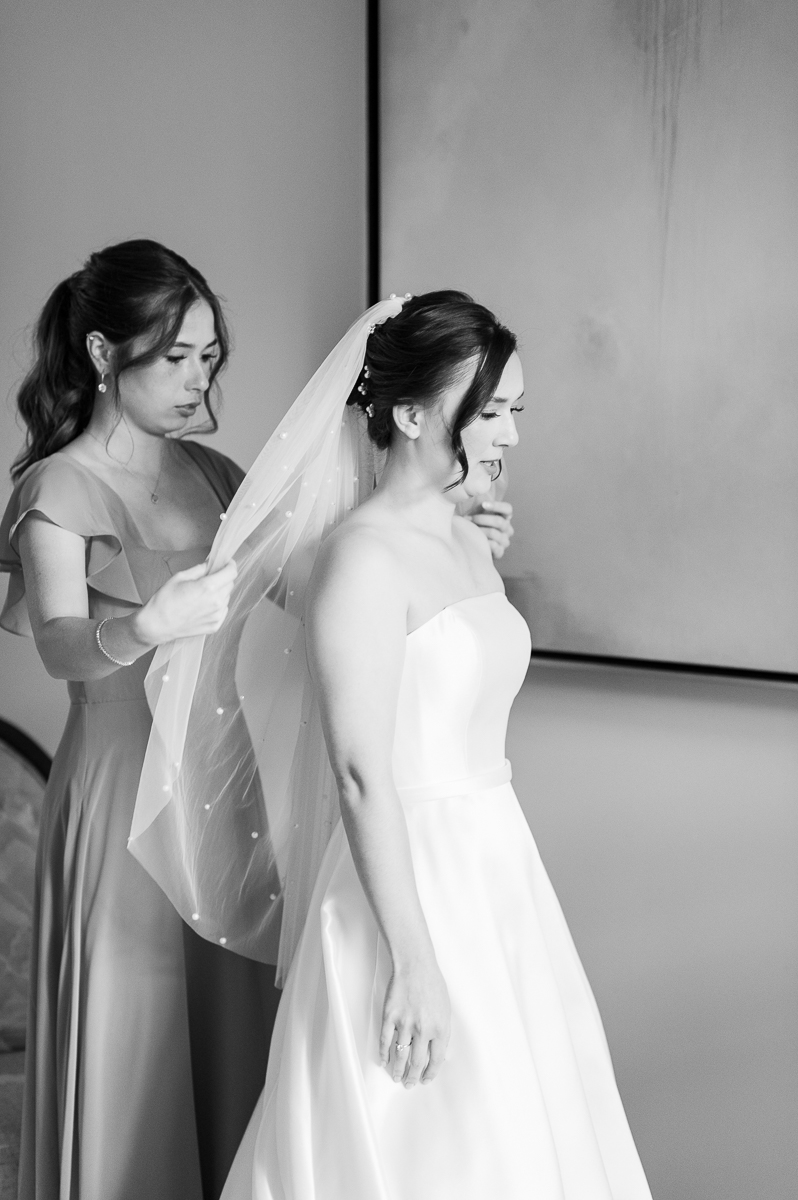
136 294
418 354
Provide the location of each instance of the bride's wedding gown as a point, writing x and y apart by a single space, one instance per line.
526 1106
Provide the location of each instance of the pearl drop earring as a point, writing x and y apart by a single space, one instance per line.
101 385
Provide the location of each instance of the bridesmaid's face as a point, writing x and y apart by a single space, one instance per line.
163 396
491 432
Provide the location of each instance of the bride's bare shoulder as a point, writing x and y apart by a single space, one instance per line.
357 563
470 535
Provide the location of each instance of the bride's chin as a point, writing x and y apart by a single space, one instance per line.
478 482
479 479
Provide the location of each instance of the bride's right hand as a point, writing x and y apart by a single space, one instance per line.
189 604
416 1015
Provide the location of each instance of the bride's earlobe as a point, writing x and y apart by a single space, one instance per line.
406 419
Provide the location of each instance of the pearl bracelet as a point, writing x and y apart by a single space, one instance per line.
117 661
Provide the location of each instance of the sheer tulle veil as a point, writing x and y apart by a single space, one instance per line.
236 800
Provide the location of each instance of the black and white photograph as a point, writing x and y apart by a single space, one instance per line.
399 615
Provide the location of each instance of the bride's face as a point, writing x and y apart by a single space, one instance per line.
490 433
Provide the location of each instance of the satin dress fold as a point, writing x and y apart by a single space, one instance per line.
526 1106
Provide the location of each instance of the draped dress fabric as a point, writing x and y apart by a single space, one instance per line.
132 1017
526 1106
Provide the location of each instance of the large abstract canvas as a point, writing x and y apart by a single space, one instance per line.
618 179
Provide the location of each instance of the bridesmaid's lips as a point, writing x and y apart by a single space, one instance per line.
187 409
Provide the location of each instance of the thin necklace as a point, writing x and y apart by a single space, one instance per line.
137 475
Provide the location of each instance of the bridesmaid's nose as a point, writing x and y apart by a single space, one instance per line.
197 380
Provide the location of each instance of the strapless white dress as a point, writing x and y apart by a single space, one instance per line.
526 1106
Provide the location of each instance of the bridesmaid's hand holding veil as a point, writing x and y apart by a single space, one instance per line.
192 603
54 560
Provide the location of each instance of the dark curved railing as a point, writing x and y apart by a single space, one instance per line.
26 748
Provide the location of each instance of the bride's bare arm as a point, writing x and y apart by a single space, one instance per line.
356 632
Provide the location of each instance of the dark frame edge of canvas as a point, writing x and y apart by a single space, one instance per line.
373 141
705 670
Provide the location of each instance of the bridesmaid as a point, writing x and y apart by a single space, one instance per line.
146 1045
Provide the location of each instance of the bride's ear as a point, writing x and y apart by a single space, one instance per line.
405 418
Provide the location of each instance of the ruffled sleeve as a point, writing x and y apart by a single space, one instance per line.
66 495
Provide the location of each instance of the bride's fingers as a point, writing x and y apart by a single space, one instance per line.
386 1040
401 1056
437 1057
419 1056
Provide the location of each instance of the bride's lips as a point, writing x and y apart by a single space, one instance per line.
187 409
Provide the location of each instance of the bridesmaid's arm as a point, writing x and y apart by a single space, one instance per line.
54 567
356 617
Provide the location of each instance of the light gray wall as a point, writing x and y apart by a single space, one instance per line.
233 133
665 811
619 180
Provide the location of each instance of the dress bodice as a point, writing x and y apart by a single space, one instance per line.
122 572
526 1104
461 674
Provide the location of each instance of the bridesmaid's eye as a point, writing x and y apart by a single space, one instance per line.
176 358
518 408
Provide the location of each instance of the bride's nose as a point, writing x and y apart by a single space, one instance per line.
508 434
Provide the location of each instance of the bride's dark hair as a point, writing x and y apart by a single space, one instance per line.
134 292
417 355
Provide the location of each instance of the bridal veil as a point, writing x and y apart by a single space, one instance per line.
237 801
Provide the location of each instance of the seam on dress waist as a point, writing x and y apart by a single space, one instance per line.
483 782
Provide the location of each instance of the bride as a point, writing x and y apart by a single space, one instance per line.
437 1038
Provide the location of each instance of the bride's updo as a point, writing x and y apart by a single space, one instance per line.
414 357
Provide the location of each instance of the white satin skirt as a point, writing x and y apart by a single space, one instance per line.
526 1106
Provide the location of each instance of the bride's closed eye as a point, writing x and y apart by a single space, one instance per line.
488 416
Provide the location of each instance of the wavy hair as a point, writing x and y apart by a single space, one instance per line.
136 294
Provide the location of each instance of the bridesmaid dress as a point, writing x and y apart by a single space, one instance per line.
526 1106
146 1045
